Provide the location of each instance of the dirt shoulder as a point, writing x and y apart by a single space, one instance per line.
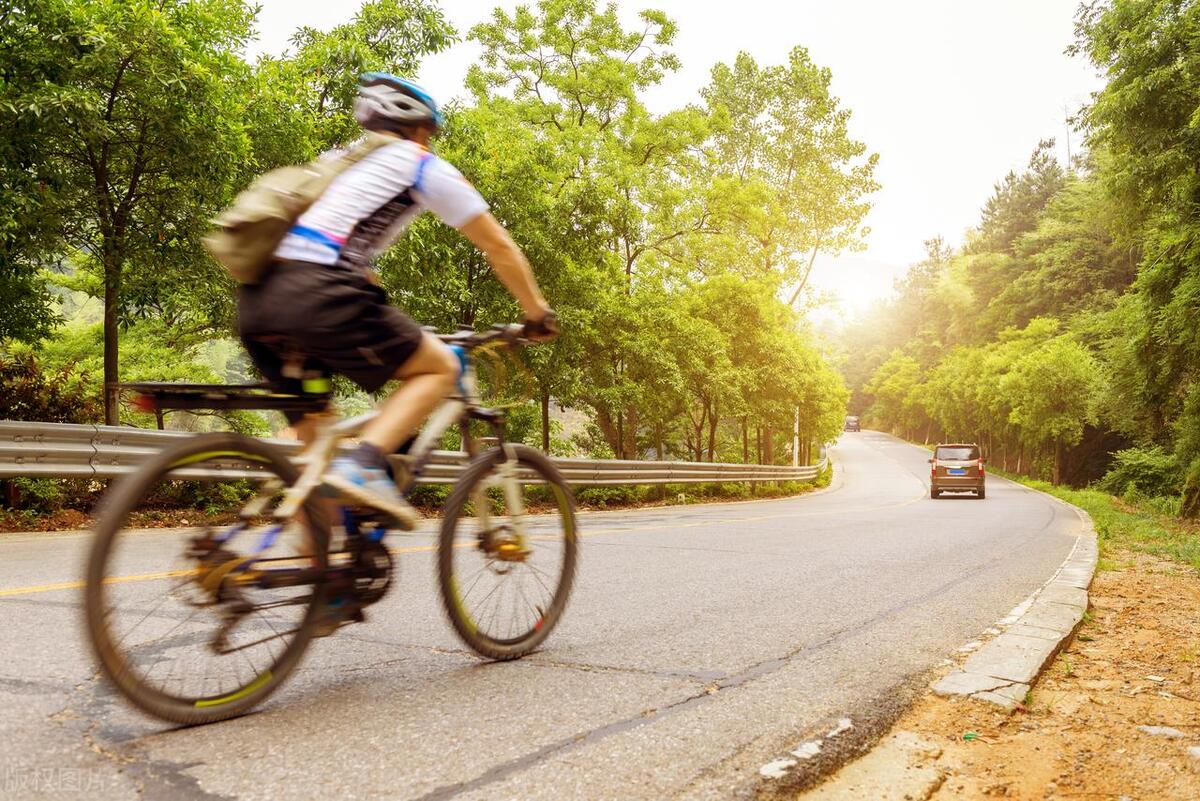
1116 716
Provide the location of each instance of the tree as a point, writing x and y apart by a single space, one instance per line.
1017 201
322 75
781 151
1145 119
37 43
140 131
1051 392
896 388
566 76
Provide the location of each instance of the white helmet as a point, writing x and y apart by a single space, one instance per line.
386 102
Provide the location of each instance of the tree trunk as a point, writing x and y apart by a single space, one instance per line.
758 448
768 446
1020 456
712 435
745 440
928 431
619 451
546 421
112 289
661 451
631 433
608 429
1059 455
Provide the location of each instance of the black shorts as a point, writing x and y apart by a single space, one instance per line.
332 318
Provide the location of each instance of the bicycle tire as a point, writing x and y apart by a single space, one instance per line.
485 645
122 499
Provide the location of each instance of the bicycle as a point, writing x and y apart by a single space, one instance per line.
254 611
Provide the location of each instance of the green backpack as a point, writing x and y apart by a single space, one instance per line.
246 234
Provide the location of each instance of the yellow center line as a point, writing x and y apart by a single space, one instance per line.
78 584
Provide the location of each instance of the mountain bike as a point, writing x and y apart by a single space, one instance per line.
223 625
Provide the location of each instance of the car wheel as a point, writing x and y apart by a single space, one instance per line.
981 494
933 493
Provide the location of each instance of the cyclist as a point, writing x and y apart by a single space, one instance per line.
319 309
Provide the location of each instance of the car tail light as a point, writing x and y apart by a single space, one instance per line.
981 464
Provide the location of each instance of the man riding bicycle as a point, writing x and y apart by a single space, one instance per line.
319 308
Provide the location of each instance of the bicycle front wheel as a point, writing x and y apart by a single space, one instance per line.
202 620
506 576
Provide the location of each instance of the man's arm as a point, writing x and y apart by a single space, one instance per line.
508 262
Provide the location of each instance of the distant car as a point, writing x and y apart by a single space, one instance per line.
852 424
956 468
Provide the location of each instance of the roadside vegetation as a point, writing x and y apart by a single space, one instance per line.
668 242
42 505
1133 523
1062 335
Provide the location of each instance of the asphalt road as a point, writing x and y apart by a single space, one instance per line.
701 643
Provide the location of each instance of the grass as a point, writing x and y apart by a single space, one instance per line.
1124 525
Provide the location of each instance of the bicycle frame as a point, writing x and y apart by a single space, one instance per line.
331 431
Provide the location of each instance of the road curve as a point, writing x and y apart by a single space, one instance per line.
701 643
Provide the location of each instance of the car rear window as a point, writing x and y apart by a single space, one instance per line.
957 454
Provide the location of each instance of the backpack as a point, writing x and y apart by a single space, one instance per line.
246 234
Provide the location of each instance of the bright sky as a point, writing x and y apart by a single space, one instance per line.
952 94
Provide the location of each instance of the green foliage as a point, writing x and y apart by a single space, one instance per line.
608 496
1107 248
37 43
51 394
1145 119
429 496
1143 528
1051 390
1150 471
320 79
665 241
39 495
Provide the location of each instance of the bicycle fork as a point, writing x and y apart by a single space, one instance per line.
515 546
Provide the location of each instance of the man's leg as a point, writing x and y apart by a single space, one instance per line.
429 376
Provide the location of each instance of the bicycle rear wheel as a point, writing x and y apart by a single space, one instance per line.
202 622
504 600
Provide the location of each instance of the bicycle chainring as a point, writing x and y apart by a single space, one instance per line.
372 572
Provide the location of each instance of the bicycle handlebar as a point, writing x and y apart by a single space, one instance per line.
513 334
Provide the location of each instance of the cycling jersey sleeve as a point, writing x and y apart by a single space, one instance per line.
442 189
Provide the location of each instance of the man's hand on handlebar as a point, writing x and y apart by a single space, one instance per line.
543 328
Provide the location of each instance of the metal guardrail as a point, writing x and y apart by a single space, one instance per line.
62 450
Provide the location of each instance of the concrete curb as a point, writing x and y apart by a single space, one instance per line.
1003 670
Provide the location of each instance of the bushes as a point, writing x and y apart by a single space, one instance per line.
1145 472
610 496
50 396
429 496
38 495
